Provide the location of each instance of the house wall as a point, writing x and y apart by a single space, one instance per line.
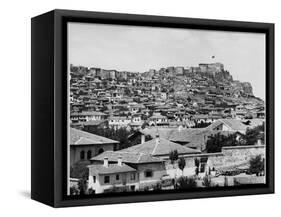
75 151
124 180
158 170
230 156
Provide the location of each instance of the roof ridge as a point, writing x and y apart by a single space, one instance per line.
139 156
80 138
156 145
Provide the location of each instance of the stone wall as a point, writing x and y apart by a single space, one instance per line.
229 156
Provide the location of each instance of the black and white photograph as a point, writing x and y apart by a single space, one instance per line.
154 109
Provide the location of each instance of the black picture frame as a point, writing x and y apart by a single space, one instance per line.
49 105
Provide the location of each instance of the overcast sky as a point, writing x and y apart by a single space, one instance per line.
139 49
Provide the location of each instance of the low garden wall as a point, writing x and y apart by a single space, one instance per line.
228 157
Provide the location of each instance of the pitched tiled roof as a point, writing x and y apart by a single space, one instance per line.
254 122
163 132
193 137
87 113
164 147
127 157
237 125
93 122
111 169
79 137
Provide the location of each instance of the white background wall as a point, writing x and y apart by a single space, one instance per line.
15 106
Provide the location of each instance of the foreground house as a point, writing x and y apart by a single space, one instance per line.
149 169
102 177
84 145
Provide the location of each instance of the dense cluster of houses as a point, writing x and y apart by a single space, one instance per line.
177 107
171 96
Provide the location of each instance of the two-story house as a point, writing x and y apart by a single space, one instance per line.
84 145
104 177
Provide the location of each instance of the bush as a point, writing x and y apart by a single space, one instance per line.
186 182
74 190
167 182
207 181
157 187
91 191
82 186
256 165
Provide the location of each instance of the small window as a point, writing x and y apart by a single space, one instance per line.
148 173
82 155
101 150
117 177
89 154
106 179
94 179
133 176
115 147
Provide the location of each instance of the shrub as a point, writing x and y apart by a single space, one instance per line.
91 191
256 165
82 186
167 182
186 182
207 181
157 186
74 190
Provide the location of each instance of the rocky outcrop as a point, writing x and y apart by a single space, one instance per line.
247 88
222 76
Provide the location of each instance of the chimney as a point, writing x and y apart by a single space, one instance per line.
180 128
120 161
157 142
157 139
142 138
105 161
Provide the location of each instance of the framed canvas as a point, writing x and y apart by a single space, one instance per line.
134 108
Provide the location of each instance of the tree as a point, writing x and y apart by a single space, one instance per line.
82 186
173 156
120 135
80 169
256 165
197 163
200 125
252 135
181 164
217 141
